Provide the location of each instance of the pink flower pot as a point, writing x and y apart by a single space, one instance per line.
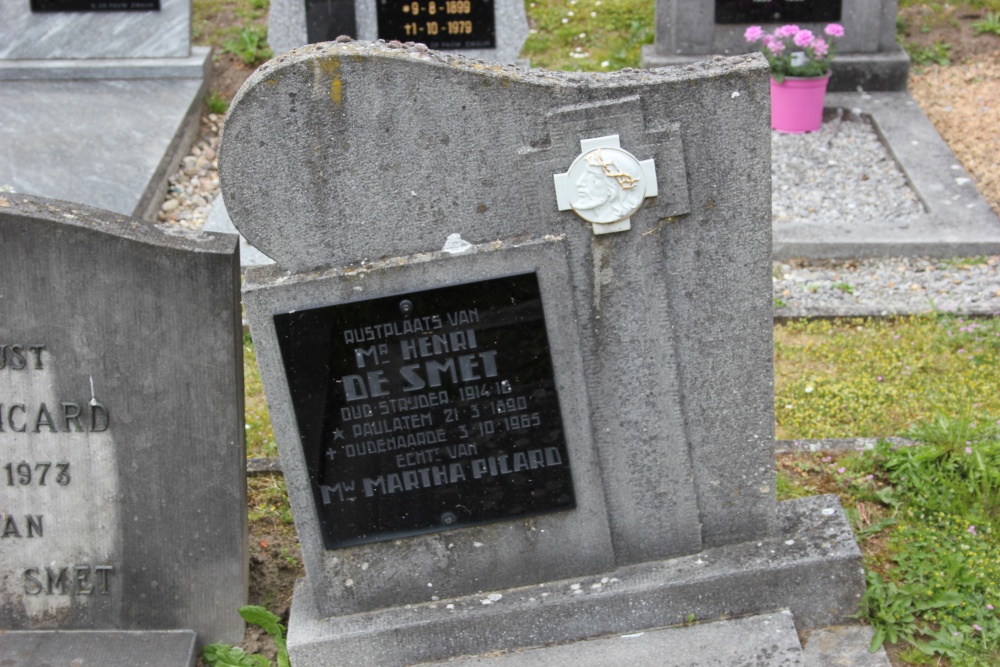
797 104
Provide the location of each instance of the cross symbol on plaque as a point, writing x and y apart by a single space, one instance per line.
605 185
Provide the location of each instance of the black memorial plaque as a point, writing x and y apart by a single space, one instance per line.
95 5
777 11
440 24
326 20
427 411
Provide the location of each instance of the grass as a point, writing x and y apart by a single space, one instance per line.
588 35
927 520
213 21
874 378
260 439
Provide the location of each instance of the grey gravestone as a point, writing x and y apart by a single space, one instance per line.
493 30
867 55
386 335
122 475
98 107
75 34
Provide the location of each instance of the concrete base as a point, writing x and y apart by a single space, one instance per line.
868 71
169 648
812 567
107 133
768 640
958 222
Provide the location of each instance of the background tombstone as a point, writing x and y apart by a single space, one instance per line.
659 339
122 464
867 56
493 30
99 106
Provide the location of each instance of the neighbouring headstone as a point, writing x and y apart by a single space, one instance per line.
122 464
490 29
101 99
75 29
867 56
517 351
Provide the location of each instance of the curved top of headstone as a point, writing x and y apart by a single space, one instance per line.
340 152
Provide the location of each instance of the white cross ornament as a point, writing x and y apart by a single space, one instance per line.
605 185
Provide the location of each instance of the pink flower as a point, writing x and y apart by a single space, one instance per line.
971 529
804 38
834 30
968 450
821 48
990 607
786 31
841 470
775 46
976 626
753 34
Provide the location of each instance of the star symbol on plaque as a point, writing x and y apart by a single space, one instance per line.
605 185
338 434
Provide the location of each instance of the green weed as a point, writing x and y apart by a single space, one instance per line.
989 24
225 655
216 103
250 45
844 287
926 55
259 436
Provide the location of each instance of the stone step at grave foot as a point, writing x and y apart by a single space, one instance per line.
766 640
113 648
810 567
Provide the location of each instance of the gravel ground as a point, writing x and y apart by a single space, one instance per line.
841 173
866 185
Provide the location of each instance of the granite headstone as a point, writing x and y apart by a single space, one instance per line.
77 29
493 30
867 55
122 469
504 424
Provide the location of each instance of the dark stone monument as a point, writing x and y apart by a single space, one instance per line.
95 5
122 469
774 11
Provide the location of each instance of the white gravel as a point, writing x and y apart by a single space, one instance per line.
841 173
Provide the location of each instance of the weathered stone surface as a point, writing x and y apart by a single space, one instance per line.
174 648
458 562
320 168
812 567
154 34
122 396
767 640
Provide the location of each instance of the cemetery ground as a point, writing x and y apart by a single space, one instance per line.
926 517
